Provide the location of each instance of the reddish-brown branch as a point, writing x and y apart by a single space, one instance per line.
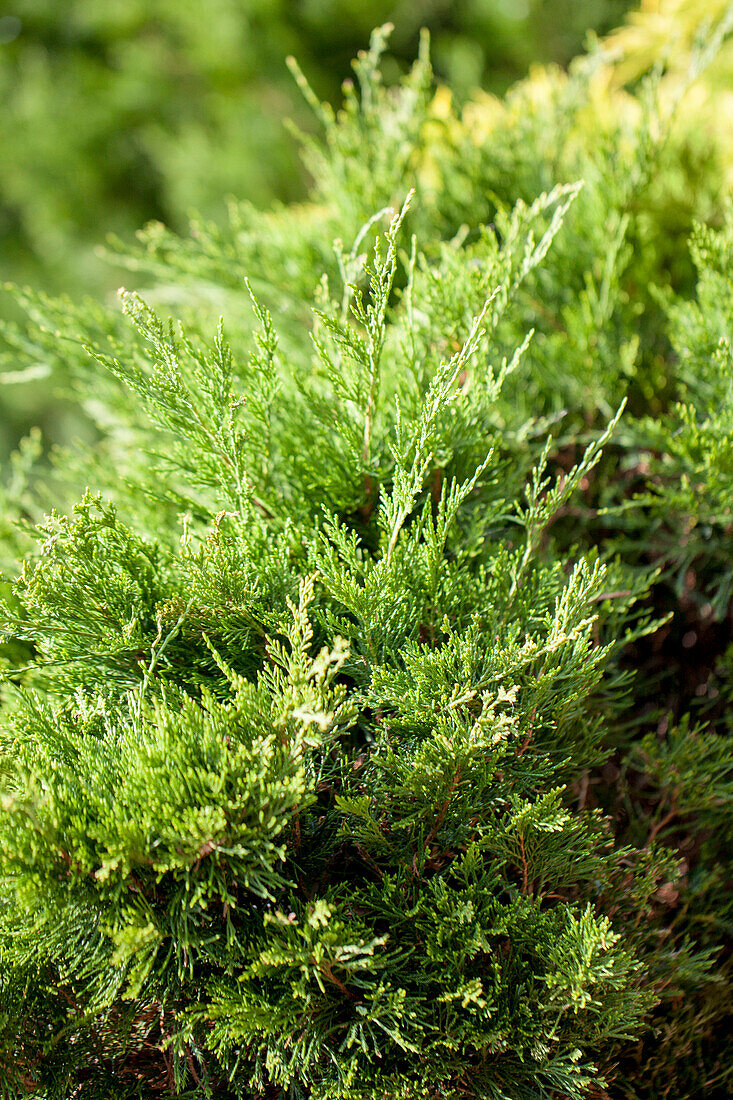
325 969
369 860
659 826
525 868
444 808
525 744
192 1066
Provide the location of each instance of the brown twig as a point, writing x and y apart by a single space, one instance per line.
325 969
191 1066
525 867
656 829
525 744
583 791
444 808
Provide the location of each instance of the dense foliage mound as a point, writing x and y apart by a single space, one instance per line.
364 722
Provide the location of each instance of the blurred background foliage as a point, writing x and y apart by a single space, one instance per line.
120 113
130 110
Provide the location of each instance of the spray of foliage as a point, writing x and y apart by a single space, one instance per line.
337 760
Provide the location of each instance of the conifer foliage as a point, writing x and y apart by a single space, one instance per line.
310 698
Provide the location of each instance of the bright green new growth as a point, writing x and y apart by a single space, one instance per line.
303 699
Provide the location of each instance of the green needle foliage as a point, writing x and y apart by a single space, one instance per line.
329 763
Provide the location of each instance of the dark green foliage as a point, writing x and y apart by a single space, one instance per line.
691 460
336 761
